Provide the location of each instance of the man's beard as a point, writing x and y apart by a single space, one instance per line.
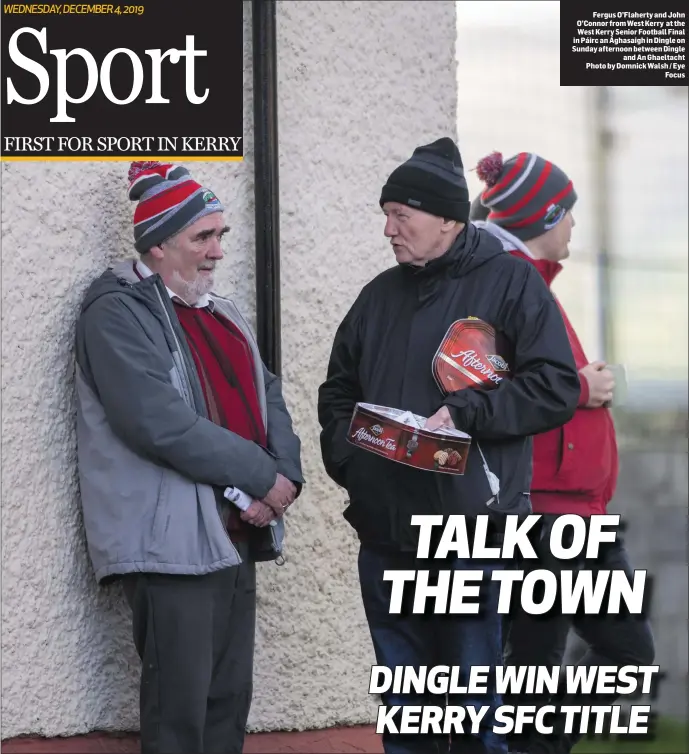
192 290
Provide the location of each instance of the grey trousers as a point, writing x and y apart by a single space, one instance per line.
195 638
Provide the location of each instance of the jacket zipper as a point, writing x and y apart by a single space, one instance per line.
185 376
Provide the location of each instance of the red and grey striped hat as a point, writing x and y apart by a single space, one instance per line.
170 200
527 195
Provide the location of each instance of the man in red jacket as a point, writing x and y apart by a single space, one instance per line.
527 203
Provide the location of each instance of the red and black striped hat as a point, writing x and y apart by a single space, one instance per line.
527 195
170 200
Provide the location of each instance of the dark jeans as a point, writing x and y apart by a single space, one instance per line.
195 638
429 639
541 640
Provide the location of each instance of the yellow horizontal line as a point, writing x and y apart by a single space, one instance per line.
79 158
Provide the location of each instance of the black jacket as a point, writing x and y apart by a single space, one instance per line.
382 353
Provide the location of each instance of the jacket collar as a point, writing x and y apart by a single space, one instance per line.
548 270
145 271
450 256
135 271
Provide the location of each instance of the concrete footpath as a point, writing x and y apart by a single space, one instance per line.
343 740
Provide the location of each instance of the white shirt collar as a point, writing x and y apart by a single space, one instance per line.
146 272
509 241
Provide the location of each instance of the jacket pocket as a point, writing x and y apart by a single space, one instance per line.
471 493
267 543
349 474
586 453
380 492
276 537
511 465
161 517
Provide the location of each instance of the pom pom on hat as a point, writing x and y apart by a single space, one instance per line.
139 166
144 174
490 168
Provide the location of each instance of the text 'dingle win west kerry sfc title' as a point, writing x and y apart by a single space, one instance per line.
85 81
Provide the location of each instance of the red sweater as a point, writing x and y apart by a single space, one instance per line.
575 466
226 370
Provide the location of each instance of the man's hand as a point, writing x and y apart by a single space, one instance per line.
281 496
601 383
440 418
258 514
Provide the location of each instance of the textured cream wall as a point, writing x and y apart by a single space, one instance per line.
361 84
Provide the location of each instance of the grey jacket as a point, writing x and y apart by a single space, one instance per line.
149 458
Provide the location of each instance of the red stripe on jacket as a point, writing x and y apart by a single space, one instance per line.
575 467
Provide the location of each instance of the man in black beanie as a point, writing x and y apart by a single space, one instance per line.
431 180
384 349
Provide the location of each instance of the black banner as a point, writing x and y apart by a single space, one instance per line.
609 44
152 80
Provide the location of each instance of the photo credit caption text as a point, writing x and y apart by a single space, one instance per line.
604 45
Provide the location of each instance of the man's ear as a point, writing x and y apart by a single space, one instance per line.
449 225
156 252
